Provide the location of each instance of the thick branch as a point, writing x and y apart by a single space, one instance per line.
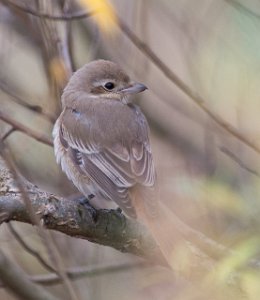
105 227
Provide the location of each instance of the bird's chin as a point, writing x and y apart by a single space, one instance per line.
126 100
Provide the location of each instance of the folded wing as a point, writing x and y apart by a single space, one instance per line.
115 167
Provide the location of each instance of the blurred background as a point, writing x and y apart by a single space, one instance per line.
202 69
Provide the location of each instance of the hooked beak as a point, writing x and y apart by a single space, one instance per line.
134 88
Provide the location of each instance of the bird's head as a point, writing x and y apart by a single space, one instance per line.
104 79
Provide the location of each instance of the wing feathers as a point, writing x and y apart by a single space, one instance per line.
115 167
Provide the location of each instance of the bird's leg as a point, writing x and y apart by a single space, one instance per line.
119 210
85 202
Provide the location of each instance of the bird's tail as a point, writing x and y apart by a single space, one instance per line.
160 221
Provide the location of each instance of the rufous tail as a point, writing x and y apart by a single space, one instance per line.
160 221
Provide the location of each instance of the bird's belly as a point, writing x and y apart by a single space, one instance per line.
72 170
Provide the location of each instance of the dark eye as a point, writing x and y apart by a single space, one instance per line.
109 85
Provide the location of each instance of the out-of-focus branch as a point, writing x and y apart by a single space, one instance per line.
105 227
89 271
27 130
7 133
198 100
35 220
16 281
29 249
10 91
243 8
237 160
65 17
68 47
148 52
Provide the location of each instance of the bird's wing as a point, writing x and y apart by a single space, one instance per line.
115 166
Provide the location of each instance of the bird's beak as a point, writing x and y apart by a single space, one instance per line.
134 88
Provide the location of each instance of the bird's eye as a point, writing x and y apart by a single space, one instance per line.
109 85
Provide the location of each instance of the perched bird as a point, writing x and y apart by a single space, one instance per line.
101 138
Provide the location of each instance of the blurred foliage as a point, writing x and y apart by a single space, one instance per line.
104 14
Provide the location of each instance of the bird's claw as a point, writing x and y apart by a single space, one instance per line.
84 201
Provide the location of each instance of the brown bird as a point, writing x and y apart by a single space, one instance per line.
101 140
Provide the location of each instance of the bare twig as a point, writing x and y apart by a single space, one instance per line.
28 131
17 99
34 218
236 159
16 280
67 17
29 249
199 101
8 132
243 8
88 271
67 47
144 48
55 53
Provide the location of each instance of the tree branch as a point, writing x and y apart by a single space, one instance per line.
18 283
63 17
28 131
151 55
108 227
87 271
35 219
30 250
243 8
14 95
104 227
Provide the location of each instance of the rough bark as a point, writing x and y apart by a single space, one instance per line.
105 227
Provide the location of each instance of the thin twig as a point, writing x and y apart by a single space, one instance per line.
67 45
30 250
26 199
17 99
147 51
35 219
199 101
243 8
8 132
16 280
79 272
27 130
66 17
86 271
238 161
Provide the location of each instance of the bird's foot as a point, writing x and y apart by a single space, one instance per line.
85 202
119 210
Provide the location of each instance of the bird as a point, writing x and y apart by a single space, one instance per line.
101 138
101 141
